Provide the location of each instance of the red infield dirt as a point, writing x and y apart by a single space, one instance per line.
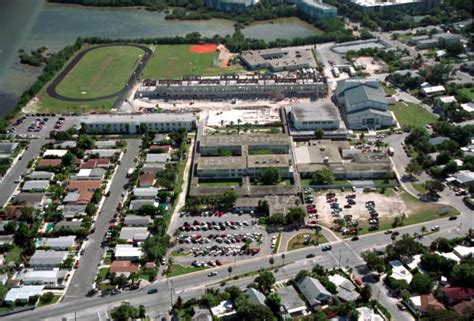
210 47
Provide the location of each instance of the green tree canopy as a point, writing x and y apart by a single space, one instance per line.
323 176
270 176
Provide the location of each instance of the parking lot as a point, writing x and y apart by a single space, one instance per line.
211 238
357 206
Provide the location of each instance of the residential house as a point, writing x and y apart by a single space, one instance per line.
156 158
124 267
48 278
134 234
463 251
91 174
135 205
35 186
463 177
59 243
137 220
127 252
71 210
201 314
313 291
429 90
366 314
255 297
464 308
224 309
104 144
48 164
145 192
292 306
399 272
426 303
153 168
23 294
7 148
457 294
346 290
54 153
67 144
47 259
442 102
96 163
81 197
103 153
146 180
41 175
70 225
435 141
36 200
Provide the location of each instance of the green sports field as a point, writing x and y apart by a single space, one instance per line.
101 72
176 61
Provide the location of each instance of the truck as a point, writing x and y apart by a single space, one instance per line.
130 171
390 151
336 72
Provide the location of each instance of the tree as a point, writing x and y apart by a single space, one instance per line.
10 227
319 133
148 210
47 298
455 49
229 269
254 312
433 187
283 256
271 261
124 312
68 159
374 262
296 216
85 142
413 168
273 301
405 247
263 207
445 315
270 176
365 293
228 198
323 176
265 281
421 284
437 265
277 219
301 275
463 275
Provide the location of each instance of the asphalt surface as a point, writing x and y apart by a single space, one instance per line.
84 276
192 285
51 89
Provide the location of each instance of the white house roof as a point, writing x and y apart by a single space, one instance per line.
450 256
399 272
224 309
136 204
127 251
39 185
145 191
103 152
41 175
137 220
433 89
133 233
59 242
366 314
464 177
414 262
46 276
23 293
55 152
312 289
105 143
51 258
463 251
156 158
469 107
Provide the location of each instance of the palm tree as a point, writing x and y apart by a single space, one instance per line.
238 124
229 269
283 256
271 261
423 229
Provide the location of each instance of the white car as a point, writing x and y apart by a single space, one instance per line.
212 273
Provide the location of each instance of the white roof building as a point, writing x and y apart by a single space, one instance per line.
224 309
136 204
103 153
127 252
134 234
33 185
23 293
469 107
59 243
41 175
40 277
463 177
414 262
145 192
366 314
430 90
55 153
157 158
399 272
450 256
463 251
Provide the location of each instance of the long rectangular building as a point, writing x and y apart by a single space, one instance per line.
131 124
235 87
209 145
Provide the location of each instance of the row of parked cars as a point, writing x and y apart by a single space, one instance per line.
219 238
201 213
214 225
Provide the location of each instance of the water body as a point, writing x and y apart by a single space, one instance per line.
56 26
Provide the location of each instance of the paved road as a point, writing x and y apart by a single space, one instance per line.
8 185
343 254
84 276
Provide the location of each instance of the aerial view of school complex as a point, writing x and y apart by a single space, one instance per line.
236 160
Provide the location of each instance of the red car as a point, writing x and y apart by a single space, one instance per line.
219 262
312 210
76 265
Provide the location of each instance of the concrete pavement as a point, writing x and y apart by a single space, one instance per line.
84 276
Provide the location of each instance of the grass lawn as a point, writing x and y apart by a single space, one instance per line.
277 244
14 255
389 90
298 241
409 114
55 300
469 92
405 37
100 72
419 188
176 61
146 274
420 212
178 269
47 104
108 258
103 272
219 183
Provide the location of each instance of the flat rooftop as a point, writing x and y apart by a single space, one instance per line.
280 57
372 3
221 162
319 110
238 140
274 160
139 118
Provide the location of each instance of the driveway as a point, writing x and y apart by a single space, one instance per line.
84 276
